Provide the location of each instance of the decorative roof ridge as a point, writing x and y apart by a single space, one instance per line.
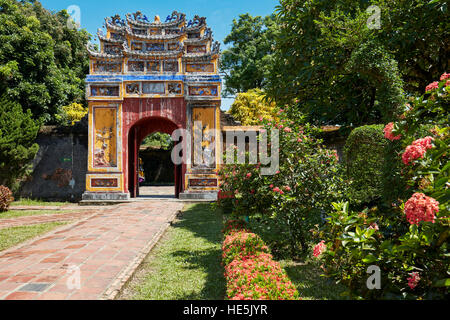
215 50
207 36
176 53
141 20
154 37
196 24
92 52
102 37
115 25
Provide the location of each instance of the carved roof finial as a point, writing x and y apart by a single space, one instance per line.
157 19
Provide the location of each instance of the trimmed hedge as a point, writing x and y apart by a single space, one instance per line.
365 152
250 271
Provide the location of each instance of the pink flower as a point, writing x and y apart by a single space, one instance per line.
287 129
417 150
388 132
421 208
445 76
374 226
319 249
432 86
249 175
299 140
276 189
413 281
287 188
271 186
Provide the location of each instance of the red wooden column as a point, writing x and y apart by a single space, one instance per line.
136 163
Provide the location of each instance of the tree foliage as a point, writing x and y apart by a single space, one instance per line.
334 65
74 112
245 63
17 148
340 70
42 62
251 106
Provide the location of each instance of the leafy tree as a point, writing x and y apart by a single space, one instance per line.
18 131
245 63
250 106
340 71
74 112
42 61
158 140
330 61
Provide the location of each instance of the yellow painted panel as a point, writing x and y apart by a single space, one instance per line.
207 117
105 146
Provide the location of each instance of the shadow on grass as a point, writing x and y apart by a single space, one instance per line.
311 286
207 224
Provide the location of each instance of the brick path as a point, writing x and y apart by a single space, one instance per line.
107 247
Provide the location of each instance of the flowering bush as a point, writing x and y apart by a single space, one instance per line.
296 196
250 271
421 208
409 239
242 244
258 277
5 198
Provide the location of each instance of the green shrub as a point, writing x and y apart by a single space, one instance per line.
18 132
364 158
5 198
309 179
408 240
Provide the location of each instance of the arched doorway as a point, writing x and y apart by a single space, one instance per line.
137 133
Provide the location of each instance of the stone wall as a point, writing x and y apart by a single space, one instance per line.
59 169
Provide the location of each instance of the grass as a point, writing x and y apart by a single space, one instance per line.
10 237
186 264
30 202
25 213
311 286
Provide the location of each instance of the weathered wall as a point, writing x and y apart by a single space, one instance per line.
60 166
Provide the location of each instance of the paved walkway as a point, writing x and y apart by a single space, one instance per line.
98 253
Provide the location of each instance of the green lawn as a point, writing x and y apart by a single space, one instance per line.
29 202
186 264
25 213
10 237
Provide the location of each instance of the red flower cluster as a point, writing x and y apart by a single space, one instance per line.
421 208
319 249
278 190
250 270
445 76
417 150
388 132
413 281
240 244
432 86
225 195
232 226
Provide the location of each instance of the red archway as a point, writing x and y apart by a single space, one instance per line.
137 133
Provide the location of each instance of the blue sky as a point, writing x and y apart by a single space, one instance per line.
219 13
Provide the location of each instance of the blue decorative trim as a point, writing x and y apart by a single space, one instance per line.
122 78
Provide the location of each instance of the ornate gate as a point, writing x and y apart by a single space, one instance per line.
149 77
